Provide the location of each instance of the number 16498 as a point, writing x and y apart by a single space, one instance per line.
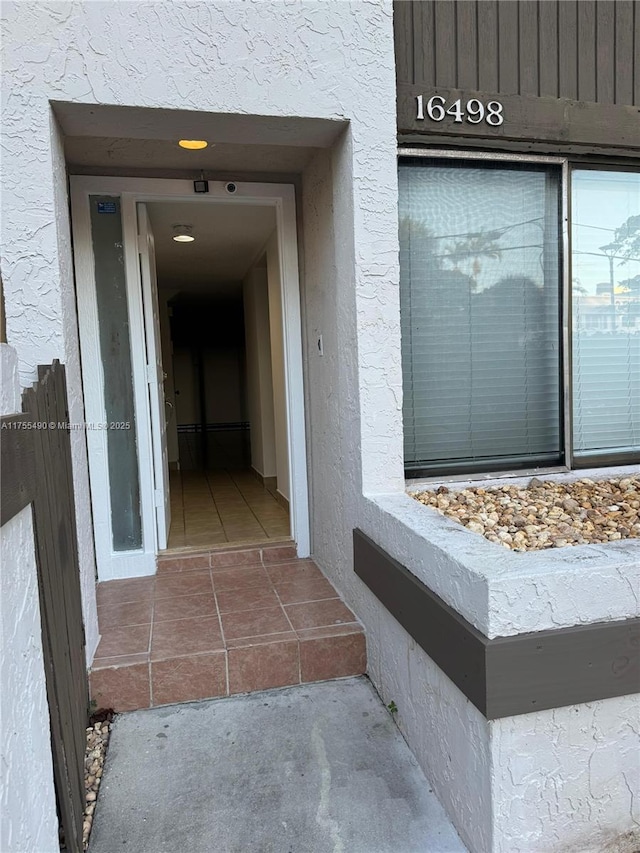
474 111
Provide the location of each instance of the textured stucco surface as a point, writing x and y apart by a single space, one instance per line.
503 592
300 59
28 820
568 779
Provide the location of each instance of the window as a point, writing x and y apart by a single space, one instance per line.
487 384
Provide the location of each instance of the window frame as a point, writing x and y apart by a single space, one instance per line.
567 166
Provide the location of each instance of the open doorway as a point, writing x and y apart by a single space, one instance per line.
221 337
192 351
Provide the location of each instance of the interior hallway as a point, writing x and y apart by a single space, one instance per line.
221 507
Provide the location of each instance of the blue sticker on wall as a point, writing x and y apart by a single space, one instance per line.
107 207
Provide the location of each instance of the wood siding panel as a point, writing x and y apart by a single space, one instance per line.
568 53
624 58
424 70
508 48
404 47
529 47
445 43
467 45
488 45
584 51
636 54
587 52
548 46
605 51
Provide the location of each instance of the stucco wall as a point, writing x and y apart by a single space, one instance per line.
568 779
28 820
312 59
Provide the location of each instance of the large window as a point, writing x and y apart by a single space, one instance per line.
486 381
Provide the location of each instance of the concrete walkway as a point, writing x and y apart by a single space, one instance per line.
318 768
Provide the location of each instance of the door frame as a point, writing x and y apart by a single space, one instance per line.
281 197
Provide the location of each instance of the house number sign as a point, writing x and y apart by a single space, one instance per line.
473 111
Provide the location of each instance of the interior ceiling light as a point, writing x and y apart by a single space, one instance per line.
193 144
182 233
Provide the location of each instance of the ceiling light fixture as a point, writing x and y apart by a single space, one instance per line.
182 233
193 144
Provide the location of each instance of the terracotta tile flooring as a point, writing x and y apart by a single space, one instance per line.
221 622
222 507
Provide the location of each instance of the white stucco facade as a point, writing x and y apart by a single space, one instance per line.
335 62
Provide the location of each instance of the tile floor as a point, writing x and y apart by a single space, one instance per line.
223 507
218 623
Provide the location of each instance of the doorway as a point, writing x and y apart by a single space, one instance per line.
221 339
195 345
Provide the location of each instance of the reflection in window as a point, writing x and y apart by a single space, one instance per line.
480 285
605 244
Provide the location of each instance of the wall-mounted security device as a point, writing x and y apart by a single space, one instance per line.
231 187
201 186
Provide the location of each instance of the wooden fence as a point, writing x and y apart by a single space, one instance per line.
36 469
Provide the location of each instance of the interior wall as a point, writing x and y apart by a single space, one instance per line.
276 331
259 378
208 335
166 343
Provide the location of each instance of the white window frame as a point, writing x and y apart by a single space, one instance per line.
565 308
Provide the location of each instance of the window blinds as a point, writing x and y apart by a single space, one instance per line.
605 245
480 314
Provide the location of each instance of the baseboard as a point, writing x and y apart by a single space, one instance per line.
270 483
284 502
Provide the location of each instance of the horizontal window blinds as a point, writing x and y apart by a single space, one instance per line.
605 243
480 302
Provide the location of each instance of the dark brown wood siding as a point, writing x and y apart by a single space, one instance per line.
560 67
587 50
35 453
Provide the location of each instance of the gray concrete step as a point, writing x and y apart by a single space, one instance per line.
317 768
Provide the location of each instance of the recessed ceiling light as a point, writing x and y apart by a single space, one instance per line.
193 144
182 233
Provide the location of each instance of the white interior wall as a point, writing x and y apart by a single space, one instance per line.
184 376
276 334
259 379
28 819
169 383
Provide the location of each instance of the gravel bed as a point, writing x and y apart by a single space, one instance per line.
544 514
95 754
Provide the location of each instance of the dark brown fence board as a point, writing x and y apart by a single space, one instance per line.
17 466
60 596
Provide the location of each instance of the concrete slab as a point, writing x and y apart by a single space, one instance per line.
317 768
